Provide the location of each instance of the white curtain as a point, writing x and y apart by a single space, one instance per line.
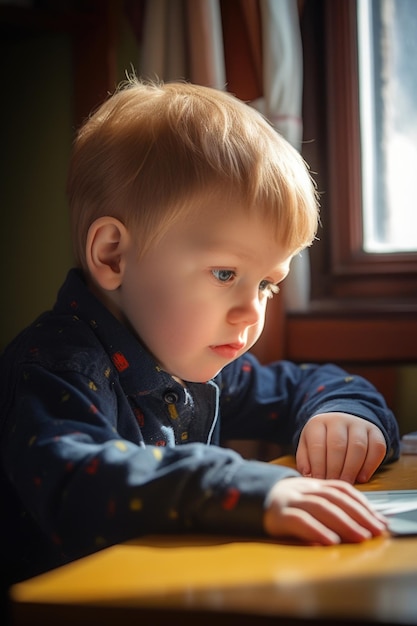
184 39
282 105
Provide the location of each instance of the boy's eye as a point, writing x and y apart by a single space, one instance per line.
223 276
269 288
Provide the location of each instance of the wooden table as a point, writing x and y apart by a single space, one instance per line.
203 580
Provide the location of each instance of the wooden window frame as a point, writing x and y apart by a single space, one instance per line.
341 269
363 308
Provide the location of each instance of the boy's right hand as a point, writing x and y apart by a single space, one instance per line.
320 511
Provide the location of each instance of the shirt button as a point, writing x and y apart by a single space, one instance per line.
171 397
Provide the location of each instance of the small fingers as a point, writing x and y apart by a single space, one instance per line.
340 446
323 447
336 453
311 452
376 452
324 512
357 448
365 452
354 518
305 527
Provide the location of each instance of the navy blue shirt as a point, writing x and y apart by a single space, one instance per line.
99 445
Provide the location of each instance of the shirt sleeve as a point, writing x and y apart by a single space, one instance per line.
85 487
274 402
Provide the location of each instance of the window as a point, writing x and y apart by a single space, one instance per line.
360 259
387 62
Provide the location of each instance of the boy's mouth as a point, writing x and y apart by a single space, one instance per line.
228 350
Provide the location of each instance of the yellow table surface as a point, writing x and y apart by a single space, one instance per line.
374 581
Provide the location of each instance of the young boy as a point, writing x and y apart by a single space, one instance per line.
186 209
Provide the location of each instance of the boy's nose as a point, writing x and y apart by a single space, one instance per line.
248 312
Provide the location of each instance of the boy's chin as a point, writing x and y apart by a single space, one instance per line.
195 377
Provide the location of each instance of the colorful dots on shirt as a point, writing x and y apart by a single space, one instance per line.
120 361
172 410
121 445
231 499
92 385
139 417
92 467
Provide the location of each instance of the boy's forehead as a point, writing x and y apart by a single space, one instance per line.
218 227
230 232
213 216
233 221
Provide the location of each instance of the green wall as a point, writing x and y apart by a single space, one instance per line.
36 136
36 122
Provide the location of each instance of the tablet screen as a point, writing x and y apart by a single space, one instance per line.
399 508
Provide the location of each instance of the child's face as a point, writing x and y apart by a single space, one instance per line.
197 299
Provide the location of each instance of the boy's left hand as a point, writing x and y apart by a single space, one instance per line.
340 445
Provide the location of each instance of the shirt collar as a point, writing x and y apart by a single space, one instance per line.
138 371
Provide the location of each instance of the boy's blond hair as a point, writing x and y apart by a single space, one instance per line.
152 149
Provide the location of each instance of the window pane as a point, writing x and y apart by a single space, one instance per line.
387 45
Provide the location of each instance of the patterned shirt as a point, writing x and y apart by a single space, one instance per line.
99 445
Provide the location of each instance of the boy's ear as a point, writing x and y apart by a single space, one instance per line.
107 243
